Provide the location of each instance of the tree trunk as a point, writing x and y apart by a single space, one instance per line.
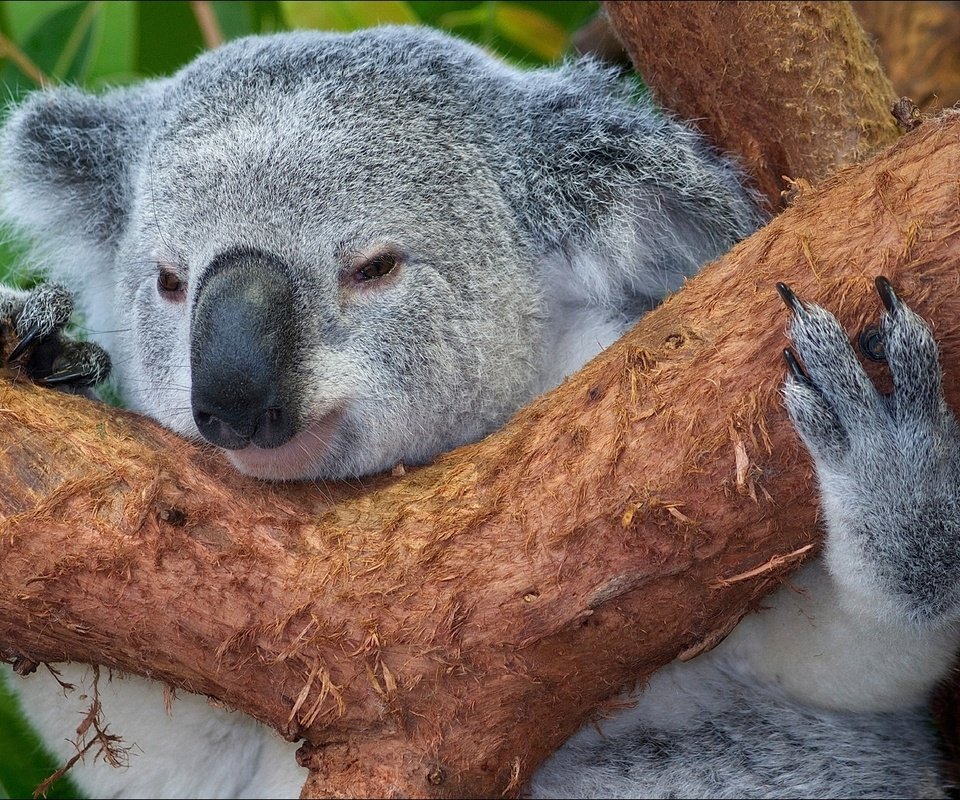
919 46
442 632
793 89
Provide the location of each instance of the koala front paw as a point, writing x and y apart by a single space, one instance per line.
834 405
44 352
888 465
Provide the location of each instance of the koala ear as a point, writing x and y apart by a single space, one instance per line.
611 182
65 162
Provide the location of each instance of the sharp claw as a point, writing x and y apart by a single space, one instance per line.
789 298
794 366
28 339
63 377
889 297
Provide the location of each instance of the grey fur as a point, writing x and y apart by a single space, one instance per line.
533 217
889 466
748 741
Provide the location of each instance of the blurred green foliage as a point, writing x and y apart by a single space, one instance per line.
97 44
100 44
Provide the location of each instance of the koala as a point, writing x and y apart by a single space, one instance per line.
325 254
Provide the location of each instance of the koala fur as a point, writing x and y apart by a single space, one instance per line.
219 229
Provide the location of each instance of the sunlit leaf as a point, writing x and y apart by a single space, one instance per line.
480 14
346 16
531 29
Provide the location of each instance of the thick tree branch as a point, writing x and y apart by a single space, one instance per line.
442 632
919 46
794 89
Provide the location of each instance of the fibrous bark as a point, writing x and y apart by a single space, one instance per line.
919 47
441 632
793 89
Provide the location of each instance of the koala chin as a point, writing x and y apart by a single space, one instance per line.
325 254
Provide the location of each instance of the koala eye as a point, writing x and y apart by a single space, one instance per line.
170 285
374 267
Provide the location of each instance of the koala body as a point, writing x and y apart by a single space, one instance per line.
329 253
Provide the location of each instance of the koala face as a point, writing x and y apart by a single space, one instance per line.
320 299
325 254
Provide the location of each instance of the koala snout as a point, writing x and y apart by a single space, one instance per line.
243 337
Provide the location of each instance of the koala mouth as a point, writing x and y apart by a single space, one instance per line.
298 459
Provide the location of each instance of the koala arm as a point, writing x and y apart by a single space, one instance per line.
618 197
874 625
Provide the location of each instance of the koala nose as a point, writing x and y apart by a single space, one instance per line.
243 336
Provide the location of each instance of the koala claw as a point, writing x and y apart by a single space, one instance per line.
44 352
79 364
796 370
889 297
789 298
871 343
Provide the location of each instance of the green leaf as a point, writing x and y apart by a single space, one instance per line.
530 29
235 18
267 16
23 761
346 16
12 250
167 36
112 50
570 15
74 56
45 44
23 17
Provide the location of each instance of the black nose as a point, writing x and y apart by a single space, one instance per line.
243 338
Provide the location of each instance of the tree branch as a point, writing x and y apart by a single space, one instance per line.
919 45
794 89
444 631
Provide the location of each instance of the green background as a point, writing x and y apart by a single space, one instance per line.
101 44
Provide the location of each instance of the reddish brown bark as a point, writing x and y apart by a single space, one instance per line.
919 46
442 632
794 89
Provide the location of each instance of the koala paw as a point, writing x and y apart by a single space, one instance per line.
888 465
44 352
834 405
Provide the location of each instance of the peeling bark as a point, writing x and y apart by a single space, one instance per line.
442 632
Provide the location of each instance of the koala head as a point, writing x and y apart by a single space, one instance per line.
309 267
323 253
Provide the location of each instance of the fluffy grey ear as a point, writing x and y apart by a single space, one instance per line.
610 182
65 158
